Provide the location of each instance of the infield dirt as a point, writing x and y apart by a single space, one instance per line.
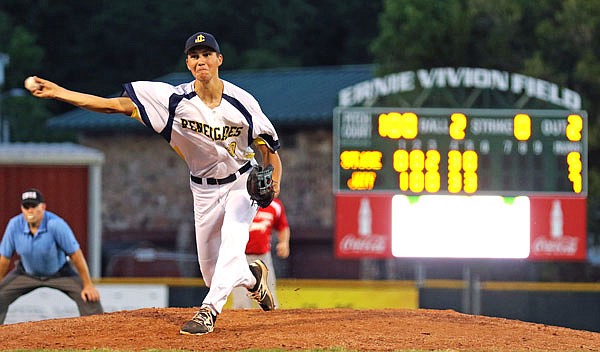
297 329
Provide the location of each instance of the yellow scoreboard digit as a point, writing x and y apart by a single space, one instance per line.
452 151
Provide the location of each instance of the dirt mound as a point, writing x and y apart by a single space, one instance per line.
297 329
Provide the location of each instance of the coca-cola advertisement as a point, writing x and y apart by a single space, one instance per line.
363 226
558 228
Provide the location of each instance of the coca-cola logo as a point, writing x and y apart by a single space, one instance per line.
373 244
564 246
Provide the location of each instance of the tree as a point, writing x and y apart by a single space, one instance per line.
26 115
96 45
421 33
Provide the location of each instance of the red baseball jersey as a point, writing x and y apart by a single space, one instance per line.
271 217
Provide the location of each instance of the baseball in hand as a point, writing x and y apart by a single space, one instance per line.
31 84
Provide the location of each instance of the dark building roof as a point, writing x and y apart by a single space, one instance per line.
48 154
289 97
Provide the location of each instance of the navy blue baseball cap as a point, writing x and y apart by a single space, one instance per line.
32 196
202 39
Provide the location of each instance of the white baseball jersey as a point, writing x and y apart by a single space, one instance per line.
213 142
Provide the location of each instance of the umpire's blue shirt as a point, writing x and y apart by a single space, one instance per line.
46 252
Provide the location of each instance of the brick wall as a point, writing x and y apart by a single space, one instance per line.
146 185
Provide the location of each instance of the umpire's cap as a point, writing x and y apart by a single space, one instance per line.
202 39
32 196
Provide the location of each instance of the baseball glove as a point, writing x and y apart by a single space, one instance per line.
260 185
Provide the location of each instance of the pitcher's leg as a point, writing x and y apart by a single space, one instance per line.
208 242
208 219
231 268
239 295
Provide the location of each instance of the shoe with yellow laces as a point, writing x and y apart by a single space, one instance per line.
202 323
260 292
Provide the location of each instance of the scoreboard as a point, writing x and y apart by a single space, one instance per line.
430 151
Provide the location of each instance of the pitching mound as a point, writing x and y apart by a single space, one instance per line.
297 329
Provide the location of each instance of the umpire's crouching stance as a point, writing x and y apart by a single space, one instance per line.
43 241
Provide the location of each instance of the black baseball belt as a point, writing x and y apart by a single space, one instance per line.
221 181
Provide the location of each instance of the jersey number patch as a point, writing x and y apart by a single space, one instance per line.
231 148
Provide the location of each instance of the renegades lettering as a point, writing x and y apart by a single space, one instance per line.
214 133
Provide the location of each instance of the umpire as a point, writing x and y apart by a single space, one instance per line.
43 241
